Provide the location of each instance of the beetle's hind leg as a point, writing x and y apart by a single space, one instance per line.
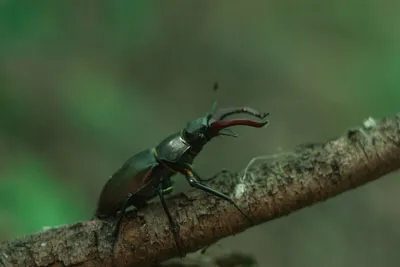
174 225
123 214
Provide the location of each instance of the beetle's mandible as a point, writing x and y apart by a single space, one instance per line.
148 173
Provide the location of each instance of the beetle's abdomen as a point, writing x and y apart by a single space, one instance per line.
134 175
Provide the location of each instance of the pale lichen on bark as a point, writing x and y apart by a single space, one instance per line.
272 188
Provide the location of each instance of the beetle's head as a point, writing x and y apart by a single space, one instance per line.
200 131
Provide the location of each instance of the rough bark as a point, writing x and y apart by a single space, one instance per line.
274 188
217 258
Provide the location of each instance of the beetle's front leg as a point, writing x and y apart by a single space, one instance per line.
223 171
191 178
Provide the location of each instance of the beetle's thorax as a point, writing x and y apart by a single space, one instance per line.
175 151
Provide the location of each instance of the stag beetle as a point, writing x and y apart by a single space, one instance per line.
148 173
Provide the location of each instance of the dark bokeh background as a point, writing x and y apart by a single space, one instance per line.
84 84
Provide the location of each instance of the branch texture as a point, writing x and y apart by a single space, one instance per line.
272 188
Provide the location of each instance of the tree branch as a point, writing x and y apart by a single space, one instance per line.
275 188
216 259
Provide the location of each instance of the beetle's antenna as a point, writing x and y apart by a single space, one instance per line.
214 104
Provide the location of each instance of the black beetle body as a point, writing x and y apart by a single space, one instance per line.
148 173
140 175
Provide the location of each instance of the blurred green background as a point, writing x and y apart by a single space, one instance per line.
84 84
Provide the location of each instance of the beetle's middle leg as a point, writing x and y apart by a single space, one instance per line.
175 226
167 186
